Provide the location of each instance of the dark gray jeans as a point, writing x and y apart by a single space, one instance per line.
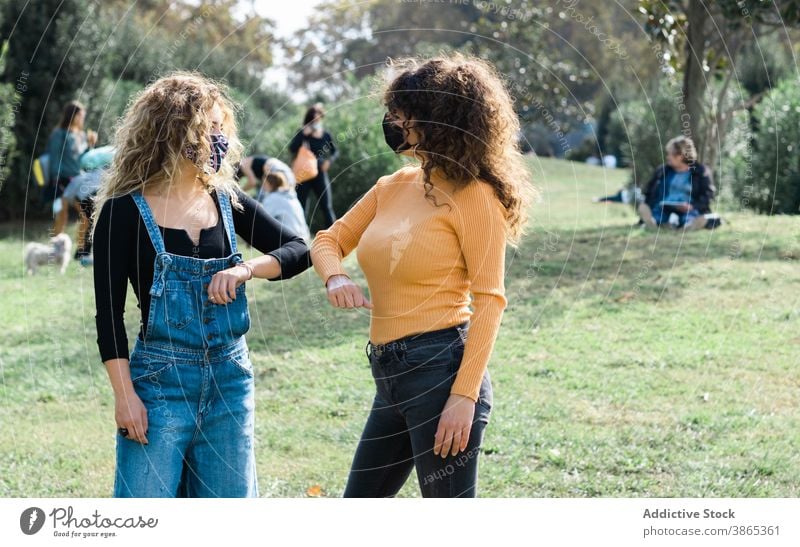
413 377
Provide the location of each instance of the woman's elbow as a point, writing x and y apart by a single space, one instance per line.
491 298
300 262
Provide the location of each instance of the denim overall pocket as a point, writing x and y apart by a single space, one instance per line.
179 303
146 368
243 363
234 317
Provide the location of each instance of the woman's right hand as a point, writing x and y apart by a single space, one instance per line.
343 293
131 414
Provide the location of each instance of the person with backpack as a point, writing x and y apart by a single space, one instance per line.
313 138
67 143
81 191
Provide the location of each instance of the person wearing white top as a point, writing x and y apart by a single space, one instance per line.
256 167
280 201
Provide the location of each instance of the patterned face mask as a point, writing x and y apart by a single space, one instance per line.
219 147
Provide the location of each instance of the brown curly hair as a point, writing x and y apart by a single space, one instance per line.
467 126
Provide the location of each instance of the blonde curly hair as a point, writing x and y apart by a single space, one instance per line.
160 123
683 146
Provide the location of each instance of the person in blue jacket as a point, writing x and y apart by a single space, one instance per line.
67 143
680 191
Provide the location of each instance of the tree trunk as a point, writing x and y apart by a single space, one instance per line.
694 79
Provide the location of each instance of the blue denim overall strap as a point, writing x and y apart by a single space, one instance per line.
155 234
227 218
163 258
180 312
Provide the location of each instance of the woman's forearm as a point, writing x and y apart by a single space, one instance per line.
119 373
265 267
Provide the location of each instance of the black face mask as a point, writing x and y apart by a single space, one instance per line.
395 138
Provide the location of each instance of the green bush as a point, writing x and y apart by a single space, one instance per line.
364 156
587 147
768 178
106 102
10 100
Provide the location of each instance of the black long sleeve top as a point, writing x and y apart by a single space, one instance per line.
123 252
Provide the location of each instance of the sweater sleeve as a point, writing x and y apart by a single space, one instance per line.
112 247
269 236
332 245
482 235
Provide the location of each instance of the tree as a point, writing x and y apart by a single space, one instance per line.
51 48
703 40
101 53
767 177
346 38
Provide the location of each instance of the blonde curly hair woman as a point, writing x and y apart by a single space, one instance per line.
167 217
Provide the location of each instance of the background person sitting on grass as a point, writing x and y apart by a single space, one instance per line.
680 191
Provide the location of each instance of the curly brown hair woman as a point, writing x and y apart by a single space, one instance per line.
429 236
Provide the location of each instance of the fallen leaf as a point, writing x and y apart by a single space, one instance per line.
624 297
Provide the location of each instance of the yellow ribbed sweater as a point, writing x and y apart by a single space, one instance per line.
422 262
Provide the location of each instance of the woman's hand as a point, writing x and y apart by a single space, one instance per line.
222 288
455 424
91 138
131 414
343 293
326 164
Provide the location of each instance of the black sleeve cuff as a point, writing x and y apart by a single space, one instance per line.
294 258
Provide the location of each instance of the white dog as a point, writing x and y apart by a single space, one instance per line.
57 253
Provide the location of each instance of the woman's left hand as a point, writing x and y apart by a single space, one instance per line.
222 288
455 424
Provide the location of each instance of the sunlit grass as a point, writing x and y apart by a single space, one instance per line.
630 363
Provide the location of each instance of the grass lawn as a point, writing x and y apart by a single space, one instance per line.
629 363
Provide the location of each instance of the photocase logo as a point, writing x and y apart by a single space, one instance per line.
31 520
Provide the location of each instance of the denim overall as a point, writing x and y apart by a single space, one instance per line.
194 376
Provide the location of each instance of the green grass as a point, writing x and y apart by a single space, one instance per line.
629 363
